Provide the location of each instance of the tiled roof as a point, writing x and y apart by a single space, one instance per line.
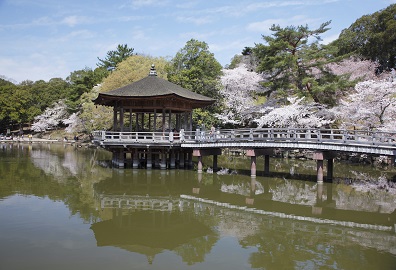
153 86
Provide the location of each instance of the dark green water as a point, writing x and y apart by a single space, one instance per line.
62 208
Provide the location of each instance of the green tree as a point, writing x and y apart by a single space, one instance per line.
373 37
296 65
80 82
195 68
132 69
113 58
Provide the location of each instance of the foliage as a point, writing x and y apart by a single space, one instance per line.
80 82
372 105
290 59
195 68
239 88
373 37
51 117
113 58
132 69
90 117
298 114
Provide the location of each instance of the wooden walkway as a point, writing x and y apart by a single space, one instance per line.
355 141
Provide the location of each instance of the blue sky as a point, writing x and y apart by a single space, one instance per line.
44 39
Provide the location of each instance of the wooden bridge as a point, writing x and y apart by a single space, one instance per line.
325 143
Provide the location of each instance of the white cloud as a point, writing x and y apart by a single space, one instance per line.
75 20
194 20
263 26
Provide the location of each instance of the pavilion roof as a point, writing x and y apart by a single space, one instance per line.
152 87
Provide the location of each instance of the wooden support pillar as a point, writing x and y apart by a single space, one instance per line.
330 166
135 159
115 118
199 164
182 156
318 156
319 171
149 163
214 163
172 164
189 160
130 120
121 119
253 166
266 164
163 160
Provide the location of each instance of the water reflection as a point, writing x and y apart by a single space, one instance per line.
275 222
152 211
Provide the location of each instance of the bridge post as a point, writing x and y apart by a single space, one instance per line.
253 166
330 165
318 156
163 160
266 164
172 164
149 163
135 159
214 163
181 159
199 164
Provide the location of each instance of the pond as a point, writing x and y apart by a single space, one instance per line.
64 207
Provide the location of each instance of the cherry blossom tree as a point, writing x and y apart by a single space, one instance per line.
90 117
51 117
372 105
297 114
239 86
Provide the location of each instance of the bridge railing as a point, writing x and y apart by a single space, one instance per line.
340 136
336 136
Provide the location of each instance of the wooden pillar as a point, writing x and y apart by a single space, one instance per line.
163 160
172 164
215 163
318 156
135 159
121 119
115 118
136 122
253 166
149 163
189 158
319 171
170 120
155 120
330 166
266 164
200 164
130 120
163 120
181 159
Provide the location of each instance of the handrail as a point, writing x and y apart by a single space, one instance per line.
301 135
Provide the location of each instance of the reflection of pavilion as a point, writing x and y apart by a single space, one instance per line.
148 224
148 232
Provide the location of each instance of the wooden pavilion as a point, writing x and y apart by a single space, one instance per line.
156 110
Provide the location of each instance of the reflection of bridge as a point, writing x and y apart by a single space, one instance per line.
245 220
325 143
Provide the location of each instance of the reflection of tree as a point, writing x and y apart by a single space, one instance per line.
31 176
195 250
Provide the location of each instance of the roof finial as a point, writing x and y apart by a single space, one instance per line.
153 72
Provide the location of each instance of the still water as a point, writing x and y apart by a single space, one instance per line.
62 207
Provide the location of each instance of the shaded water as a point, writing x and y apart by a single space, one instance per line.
60 208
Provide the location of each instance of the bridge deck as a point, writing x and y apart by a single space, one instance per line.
357 141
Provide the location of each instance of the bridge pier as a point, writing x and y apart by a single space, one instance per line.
320 156
253 153
206 152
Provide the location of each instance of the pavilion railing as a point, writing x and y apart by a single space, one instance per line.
335 136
